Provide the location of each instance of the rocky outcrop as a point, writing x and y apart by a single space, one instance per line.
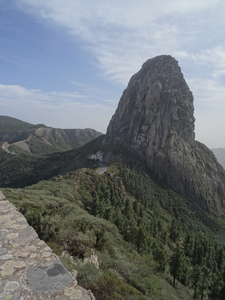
155 120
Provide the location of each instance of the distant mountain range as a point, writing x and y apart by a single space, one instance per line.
20 136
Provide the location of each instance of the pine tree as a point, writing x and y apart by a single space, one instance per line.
141 236
159 256
216 286
174 231
204 281
220 259
178 264
195 279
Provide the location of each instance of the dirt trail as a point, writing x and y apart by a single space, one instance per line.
21 144
5 147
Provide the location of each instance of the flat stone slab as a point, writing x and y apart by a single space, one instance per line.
48 278
28 268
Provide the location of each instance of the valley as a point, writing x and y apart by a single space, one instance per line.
145 199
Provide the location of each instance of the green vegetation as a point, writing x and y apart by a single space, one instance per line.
149 241
44 141
25 169
11 126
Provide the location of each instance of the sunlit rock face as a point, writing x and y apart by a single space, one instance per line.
155 120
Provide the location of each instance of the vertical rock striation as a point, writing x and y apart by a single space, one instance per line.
155 120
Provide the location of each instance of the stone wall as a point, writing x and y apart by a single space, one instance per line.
28 268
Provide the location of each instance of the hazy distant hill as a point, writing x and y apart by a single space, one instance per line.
220 155
40 139
11 127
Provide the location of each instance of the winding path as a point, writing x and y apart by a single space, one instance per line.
5 147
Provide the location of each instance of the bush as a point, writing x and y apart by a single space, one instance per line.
106 285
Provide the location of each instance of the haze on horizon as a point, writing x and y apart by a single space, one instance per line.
66 64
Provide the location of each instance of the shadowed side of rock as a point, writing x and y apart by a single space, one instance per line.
28 268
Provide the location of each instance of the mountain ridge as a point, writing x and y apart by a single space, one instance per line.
40 139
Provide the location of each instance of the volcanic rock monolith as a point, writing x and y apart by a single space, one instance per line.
155 120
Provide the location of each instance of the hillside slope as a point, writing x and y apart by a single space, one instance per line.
125 231
10 128
40 139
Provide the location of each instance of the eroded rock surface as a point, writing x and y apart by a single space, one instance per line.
155 120
28 268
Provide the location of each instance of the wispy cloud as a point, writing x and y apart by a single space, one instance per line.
36 106
25 95
121 35
208 92
78 83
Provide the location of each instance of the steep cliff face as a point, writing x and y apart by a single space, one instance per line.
155 120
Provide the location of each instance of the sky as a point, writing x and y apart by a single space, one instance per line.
65 63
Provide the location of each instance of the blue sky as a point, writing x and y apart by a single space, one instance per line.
65 63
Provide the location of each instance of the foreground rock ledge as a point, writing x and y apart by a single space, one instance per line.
28 268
